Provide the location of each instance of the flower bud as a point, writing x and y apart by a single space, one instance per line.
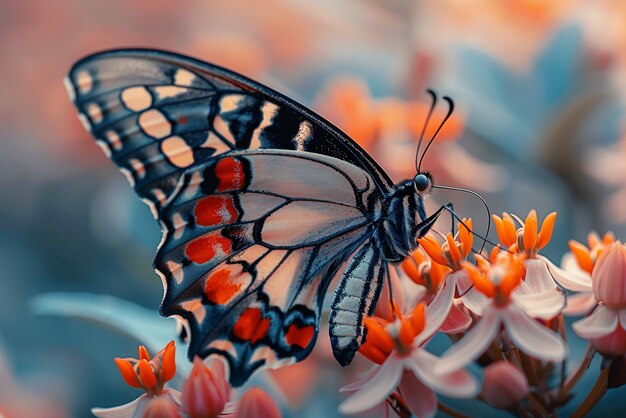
504 385
256 403
609 277
161 407
613 344
205 392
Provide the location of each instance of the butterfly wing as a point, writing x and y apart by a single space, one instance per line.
155 114
252 237
252 240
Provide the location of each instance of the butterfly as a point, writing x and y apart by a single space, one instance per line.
262 203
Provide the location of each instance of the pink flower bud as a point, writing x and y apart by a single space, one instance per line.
161 407
205 392
613 344
609 276
504 385
256 403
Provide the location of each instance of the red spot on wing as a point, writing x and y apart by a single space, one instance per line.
219 287
230 174
251 326
215 210
300 336
204 248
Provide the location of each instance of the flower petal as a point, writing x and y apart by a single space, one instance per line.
538 277
580 304
384 381
544 305
458 384
546 230
475 301
575 280
419 398
255 402
457 321
532 338
438 309
354 386
230 409
470 347
600 323
122 411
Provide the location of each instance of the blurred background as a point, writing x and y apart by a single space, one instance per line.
539 87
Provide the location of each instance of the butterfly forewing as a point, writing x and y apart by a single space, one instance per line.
155 114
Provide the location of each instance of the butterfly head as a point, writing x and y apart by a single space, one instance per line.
423 182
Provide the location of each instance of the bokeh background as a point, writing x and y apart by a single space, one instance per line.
540 88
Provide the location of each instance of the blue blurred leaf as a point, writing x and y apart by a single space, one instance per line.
559 66
144 325
511 109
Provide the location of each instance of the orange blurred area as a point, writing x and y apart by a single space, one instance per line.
539 89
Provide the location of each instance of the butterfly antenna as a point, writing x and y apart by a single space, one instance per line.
484 202
443 122
433 104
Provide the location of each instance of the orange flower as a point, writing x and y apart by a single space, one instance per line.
149 374
527 238
586 256
422 271
384 336
452 252
499 279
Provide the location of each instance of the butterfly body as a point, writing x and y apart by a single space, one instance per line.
263 204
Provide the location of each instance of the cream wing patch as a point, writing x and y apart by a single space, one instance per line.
177 151
114 140
136 98
184 77
155 124
84 82
95 112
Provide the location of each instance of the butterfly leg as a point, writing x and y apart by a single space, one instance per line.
423 227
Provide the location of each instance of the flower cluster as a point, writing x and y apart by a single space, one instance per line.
503 310
205 391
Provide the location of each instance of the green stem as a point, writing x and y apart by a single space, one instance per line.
529 370
595 394
582 368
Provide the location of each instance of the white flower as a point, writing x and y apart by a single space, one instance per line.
504 300
405 365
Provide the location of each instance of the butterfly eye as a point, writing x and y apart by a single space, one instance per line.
421 182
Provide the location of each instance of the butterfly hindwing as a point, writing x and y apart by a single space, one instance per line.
247 259
155 114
